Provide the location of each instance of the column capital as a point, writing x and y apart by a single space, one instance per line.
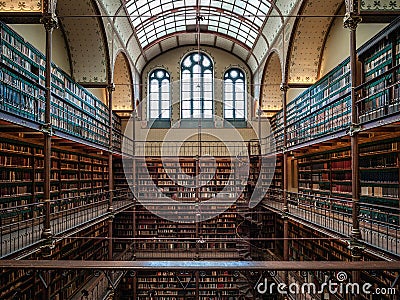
111 87
351 21
284 87
356 248
49 21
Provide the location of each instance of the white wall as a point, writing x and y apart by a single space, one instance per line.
337 44
36 35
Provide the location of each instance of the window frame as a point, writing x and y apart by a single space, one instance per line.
234 100
167 75
202 100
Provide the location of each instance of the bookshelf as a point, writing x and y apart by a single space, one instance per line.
379 91
321 109
276 173
181 285
324 108
123 228
63 285
329 173
21 173
74 110
321 247
379 170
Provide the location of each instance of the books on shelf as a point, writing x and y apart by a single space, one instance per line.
74 110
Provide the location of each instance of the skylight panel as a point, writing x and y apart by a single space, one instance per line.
190 2
227 6
215 3
251 10
178 3
175 15
167 6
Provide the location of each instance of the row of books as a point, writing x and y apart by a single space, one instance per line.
380 191
383 177
381 161
15 175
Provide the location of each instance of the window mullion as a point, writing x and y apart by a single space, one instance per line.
159 99
191 93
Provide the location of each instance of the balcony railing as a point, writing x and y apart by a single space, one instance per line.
21 227
379 225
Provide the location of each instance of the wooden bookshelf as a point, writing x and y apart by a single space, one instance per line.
329 173
63 285
21 173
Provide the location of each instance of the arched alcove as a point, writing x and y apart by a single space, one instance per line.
271 96
123 95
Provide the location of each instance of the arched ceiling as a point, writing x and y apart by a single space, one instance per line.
238 19
271 96
308 39
233 25
88 51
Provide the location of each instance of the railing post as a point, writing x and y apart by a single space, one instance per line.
284 88
49 21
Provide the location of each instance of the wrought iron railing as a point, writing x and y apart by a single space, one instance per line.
379 225
22 226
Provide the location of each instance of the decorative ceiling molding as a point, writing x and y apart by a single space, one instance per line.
27 6
308 39
271 95
86 41
381 5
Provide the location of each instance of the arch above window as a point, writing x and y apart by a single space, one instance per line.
159 95
234 95
197 87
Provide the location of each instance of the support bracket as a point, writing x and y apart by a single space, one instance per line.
354 129
356 248
46 129
110 280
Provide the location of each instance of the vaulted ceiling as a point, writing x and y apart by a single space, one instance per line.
237 26
144 29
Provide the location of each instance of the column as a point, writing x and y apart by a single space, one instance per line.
284 88
351 21
50 23
110 90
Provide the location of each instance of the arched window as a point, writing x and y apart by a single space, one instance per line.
159 95
234 95
197 87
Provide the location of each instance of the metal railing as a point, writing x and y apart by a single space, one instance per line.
379 225
192 148
21 226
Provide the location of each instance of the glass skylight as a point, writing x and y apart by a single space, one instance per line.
238 19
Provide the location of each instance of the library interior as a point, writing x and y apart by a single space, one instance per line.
199 149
